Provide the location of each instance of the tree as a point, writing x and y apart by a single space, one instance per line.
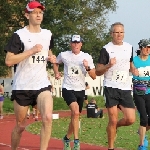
86 17
11 18
63 18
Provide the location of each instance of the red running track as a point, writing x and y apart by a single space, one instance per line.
32 142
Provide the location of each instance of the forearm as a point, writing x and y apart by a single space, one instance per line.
101 69
12 59
55 68
50 53
132 68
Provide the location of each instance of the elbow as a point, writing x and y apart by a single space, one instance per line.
98 73
92 74
131 70
94 77
8 63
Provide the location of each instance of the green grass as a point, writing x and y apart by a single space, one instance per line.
8 106
93 131
59 104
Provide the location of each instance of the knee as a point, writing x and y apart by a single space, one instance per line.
130 121
113 122
20 128
47 119
75 114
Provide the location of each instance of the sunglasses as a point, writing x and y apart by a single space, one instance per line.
75 42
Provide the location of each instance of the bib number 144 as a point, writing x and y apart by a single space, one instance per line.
38 58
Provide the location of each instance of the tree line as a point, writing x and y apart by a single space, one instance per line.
64 18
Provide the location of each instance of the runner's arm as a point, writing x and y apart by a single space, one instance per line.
132 67
101 69
92 73
91 68
12 59
56 66
103 62
15 51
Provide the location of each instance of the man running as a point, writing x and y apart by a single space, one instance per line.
114 62
30 48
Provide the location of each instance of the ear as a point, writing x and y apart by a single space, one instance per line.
27 15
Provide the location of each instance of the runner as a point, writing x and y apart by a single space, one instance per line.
30 48
141 90
114 62
76 65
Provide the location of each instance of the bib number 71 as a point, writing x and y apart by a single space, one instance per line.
119 76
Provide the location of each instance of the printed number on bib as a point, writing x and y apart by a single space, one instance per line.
119 76
38 58
74 70
144 71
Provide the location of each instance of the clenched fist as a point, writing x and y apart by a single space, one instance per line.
112 61
85 63
58 75
52 59
37 48
135 72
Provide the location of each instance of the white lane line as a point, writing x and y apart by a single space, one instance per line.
10 146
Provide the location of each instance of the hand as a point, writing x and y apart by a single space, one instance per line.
112 61
37 48
57 75
135 72
85 63
52 59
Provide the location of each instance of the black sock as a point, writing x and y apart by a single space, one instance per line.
76 140
65 138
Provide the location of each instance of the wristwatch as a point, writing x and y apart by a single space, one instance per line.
88 68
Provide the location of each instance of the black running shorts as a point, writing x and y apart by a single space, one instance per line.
73 96
27 97
115 96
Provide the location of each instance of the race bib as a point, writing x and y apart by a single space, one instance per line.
120 76
74 70
38 58
144 71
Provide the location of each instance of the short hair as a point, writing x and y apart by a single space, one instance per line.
138 52
114 24
92 100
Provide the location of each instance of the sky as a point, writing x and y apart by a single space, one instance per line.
135 15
